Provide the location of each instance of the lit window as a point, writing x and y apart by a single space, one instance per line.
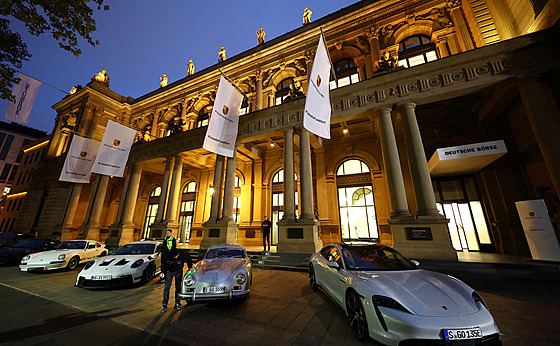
244 106
416 50
283 90
346 74
204 116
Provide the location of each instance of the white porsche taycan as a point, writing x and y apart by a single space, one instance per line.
67 254
129 264
388 298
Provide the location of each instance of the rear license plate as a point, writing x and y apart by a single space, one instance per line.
215 289
101 277
35 269
462 334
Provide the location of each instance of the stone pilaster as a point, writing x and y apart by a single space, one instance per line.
66 226
289 183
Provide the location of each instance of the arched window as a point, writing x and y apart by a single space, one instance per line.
186 215
346 73
355 201
283 89
237 199
278 202
204 116
416 50
244 106
153 203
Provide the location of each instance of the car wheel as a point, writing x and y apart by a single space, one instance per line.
357 316
73 263
312 281
149 273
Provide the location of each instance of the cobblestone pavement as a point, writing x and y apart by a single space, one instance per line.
282 309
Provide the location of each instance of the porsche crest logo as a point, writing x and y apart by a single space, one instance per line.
83 154
116 142
531 214
225 110
318 81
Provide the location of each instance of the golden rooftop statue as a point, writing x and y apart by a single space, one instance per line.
307 16
190 68
102 77
73 90
260 35
163 81
222 54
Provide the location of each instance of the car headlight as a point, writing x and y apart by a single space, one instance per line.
240 278
89 265
477 298
137 263
388 303
26 258
190 280
61 257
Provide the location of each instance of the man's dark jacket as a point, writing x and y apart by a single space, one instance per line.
175 264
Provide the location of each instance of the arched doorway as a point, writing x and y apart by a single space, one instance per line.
278 203
356 205
151 212
186 215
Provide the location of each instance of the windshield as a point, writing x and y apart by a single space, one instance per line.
375 258
67 245
30 243
135 249
6 236
224 253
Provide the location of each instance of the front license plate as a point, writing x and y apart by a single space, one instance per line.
462 334
101 277
215 289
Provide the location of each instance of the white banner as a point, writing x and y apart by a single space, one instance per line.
538 230
114 149
317 114
79 160
25 93
222 130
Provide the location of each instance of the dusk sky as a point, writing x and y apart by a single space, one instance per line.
142 39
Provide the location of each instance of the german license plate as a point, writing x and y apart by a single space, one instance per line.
101 277
462 334
215 289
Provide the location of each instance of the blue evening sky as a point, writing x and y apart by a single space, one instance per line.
142 39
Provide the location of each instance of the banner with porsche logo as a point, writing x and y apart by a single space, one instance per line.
317 113
222 130
114 149
79 160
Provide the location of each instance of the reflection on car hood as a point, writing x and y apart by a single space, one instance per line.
423 292
218 270
53 254
14 252
114 264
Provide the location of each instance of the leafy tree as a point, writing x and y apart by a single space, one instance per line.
67 20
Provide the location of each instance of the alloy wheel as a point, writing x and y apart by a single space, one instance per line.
357 317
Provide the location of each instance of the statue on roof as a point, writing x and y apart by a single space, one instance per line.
306 16
163 81
102 77
222 54
190 68
260 35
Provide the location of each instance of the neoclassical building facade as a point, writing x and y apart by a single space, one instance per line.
412 77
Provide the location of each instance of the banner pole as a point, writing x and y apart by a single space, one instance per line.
241 91
330 61
45 83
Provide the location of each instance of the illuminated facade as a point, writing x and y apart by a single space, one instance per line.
411 77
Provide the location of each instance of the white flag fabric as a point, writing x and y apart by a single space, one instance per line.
114 149
25 93
79 160
317 113
222 130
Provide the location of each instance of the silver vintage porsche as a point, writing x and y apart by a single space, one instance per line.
224 272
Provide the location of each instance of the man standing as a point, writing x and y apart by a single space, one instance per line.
265 226
173 268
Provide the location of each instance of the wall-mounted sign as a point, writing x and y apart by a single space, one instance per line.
470 150
295 233
538 230
418 233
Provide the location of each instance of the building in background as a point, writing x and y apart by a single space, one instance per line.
471 86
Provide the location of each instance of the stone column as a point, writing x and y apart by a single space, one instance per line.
66 227
123 198
259 94
229 188
503 19
87 114
217 185
184 116
173 199
62 140
131 196
289 200
395 182
441 46
542 113
465 39
374 49
423 189
164 190
153 130
309 63
306 177
91 227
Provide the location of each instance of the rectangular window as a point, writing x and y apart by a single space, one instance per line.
2 226
5 172
2 136
13 174
9 205
19 203
6 147
12 224
20 155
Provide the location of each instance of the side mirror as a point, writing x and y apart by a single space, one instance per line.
334 265
415 263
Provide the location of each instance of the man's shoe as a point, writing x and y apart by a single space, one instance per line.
164 309
178 307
